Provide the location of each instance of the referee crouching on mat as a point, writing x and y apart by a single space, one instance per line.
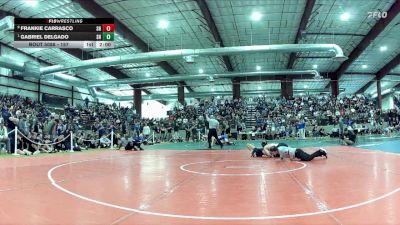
212 130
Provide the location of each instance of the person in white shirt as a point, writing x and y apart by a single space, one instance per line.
146 131
296 153
212 130
4 135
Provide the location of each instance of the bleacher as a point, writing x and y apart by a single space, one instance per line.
251 115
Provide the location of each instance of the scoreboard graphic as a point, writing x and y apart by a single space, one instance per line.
64 33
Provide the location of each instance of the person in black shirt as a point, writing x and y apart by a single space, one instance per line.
188 131
169 131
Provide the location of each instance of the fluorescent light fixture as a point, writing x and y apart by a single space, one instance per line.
212 89
147 75
382 93
163 24
218 97
258 67
305 86
386 91
345 16
201 71
256 16
259 87
364 66
315 66
260 95
383 48
32 3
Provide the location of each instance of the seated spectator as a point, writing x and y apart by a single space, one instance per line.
136 142
224 139
105 142
124 141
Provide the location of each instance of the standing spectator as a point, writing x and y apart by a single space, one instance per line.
302 129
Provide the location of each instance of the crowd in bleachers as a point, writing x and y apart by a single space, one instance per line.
92 124
285 116
303 116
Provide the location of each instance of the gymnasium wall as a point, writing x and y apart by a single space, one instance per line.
154 109
387 102
29 88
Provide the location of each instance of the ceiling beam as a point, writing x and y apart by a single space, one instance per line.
358 73
110 70
274 77
367 40
385 70
335 34
388 67
80 54
314 57
302 27
99 12
365 87
394 89
205 10
158 84
237 79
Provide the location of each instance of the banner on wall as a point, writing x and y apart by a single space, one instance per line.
54 100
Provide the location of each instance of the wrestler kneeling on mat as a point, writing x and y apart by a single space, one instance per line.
296 153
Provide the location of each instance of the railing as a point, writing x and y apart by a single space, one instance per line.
70 136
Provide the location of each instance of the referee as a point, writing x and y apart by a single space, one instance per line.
212 130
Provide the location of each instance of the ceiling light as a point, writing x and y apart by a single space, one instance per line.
163 24
345 16
256 16
212 89
258 67
260 95
364 66
32 3
259 87
315 66
305 86
218 97
383 48
201 71
386 91
147 75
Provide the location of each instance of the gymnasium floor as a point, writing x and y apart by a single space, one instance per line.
355 185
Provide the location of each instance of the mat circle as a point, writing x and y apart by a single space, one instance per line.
136 210
183 167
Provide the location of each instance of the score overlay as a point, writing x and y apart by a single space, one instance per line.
64 33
